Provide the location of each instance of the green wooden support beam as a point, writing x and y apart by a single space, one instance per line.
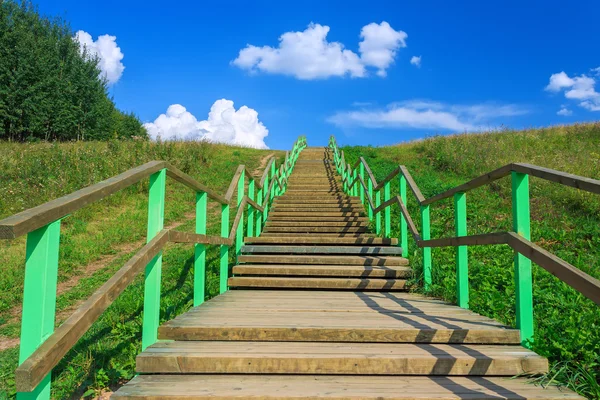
265 199
523 279
462 256
39 298
259 216
387 212
200 249
224 250
378 216
239 233
370 210
403 223
426 235
152 276
360 188
251 211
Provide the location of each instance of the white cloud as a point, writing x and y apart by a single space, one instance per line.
596 71
424 114
224 125
416 61
580 88
308 55
379 45
108 53
564 112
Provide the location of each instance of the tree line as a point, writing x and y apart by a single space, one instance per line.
49 90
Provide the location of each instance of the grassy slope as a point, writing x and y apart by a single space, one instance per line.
564 221
104 236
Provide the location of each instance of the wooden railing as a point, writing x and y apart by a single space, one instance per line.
353 179
42 347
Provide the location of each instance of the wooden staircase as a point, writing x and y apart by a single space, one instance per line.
319 309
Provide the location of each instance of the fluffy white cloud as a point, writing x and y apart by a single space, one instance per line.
108 53
224 125
379 45
564 112
308 55
580 88
416 61
596 71
423 114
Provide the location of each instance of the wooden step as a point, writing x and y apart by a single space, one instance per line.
317 223
251 357
320 218
317 203
347 271
327 260
315 229
321 234
318 209
297 387
282 249
334 316
321 240
320 283
278 213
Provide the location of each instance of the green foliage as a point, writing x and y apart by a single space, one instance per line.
564 221
48 89
97 240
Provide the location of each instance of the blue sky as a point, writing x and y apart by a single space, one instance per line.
483 65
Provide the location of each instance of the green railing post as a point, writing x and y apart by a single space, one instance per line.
239 233
523 280
39 298
355 186
387 212
344 179
224 250
200 249
250 209
370 210
378 215
426 235
259 216
156 213
265 198
403 223
462 256
360 188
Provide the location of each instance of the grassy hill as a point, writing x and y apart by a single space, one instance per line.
563 220
97 240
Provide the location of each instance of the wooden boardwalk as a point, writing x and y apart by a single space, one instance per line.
319 309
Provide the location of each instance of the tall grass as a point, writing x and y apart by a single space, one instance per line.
563 220
107 232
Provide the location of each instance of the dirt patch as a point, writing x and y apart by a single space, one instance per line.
262 164
8 343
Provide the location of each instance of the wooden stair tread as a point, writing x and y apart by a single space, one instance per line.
315 239
320 249
295 282
323 270
245 357
323 259
304 387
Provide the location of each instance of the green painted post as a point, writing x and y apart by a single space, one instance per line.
200 249
403 223
259 216
156 214
370 187
523 280
251 209
345 179
239 233
355 186
387 213
39 298
224 250
378 216
360 188
426 235
462 256
265 199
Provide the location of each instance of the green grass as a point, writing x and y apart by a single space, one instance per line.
106 234
564 221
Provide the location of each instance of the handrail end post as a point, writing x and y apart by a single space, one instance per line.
462 260
426 235
200 250
224 250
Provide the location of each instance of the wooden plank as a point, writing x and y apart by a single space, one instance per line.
321 240
472 240
304 387
187 237
40 363
323 249
339 358
321 259
37 217
380 284
190 182
324 270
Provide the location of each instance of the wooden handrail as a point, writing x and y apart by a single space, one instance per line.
31 372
